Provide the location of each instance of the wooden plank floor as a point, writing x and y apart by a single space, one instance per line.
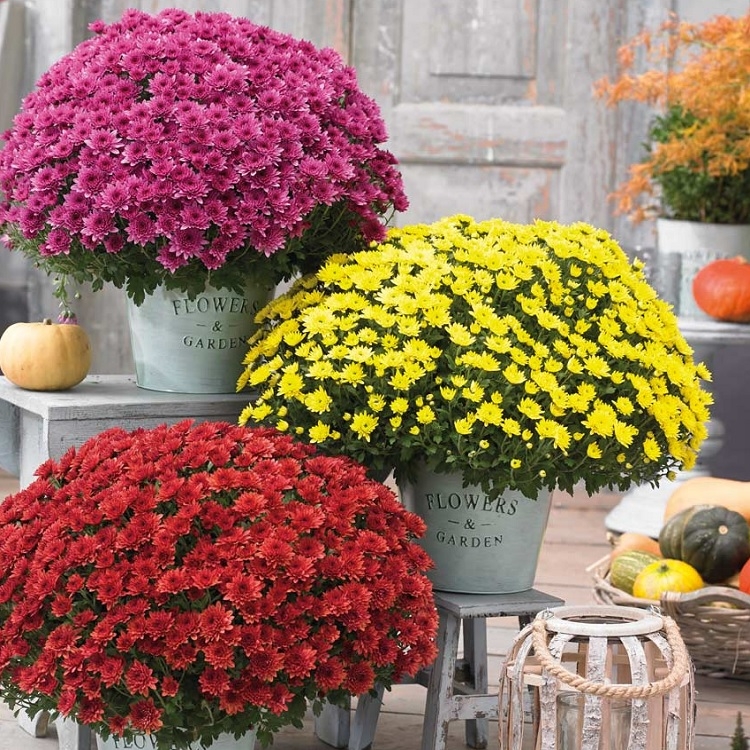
575 538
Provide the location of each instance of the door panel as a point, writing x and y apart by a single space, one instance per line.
482 108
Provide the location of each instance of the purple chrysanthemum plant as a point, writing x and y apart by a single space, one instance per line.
182 149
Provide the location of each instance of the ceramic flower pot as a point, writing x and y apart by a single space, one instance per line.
145 742
479 545
193 346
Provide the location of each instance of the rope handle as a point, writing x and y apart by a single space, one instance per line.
680 667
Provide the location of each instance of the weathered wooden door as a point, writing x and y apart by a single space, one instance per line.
488 104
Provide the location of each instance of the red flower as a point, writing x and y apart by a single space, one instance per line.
300 660
243 590
169 687
214 681
219 654
90 711
139 679
360 677
145 716
61 639
215 620
139 566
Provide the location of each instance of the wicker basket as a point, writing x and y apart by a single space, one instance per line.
714 622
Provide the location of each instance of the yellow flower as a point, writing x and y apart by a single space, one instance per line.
601 420
489 414
574 365
481 360
376 402
425 415
594 451
459 334
401 381
651 449
319 432
320 370
352 373
463 426
399 405
318 401
257 413
530 409
293 336
474 392
597 367
511 427
625 433
624 406
461 338
318 320
548 428
291 382
360 353
363 423
513 374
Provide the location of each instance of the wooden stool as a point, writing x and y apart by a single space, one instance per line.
447 699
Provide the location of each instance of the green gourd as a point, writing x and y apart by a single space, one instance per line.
626 566
711 538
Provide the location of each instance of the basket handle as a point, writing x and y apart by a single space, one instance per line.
680 667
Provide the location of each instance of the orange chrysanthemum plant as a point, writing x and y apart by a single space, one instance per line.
697 165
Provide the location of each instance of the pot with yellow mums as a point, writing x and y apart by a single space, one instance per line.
488 364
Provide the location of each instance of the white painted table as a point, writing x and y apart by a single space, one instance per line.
37 425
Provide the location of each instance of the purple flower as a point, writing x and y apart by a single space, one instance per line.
208 139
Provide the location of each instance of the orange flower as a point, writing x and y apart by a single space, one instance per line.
699 152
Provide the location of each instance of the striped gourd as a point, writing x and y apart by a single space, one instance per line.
626 566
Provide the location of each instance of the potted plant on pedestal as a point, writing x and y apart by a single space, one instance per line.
488 363
695 176
176 155
194 582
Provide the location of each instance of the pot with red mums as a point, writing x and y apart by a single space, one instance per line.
177 584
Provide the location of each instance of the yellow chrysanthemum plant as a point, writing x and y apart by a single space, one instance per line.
522 356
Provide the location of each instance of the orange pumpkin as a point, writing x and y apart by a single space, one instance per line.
632 541
722 289
743 582
45 356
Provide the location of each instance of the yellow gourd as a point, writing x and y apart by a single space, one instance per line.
729 493
662 576
45 356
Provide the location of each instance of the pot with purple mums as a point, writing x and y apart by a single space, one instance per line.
197 157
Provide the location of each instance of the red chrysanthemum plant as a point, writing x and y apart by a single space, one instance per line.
190 580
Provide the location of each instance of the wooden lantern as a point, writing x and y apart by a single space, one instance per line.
598 678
